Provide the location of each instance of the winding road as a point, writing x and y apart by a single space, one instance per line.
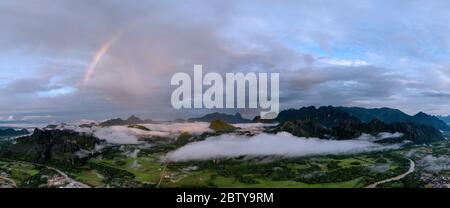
162 175
412 167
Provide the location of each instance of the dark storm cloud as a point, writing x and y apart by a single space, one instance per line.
437 94
340 85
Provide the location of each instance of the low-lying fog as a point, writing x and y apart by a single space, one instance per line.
435 164
233 145
280 144
125 135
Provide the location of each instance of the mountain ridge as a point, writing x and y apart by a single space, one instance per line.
330 116
391 115
8 132
50 146
349 129
229 118
132 120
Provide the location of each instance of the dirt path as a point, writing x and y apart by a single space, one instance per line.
412 167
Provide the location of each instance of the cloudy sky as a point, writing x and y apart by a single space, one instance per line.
84 59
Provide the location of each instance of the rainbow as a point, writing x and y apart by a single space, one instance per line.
98 55
95 60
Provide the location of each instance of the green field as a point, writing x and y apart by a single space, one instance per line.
116 169
24 174
309 172
312 172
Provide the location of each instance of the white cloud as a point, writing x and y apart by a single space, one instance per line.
175 128
344 62
117 135
281 144
6 118
387 135
125 135
57 92
435 164
380 136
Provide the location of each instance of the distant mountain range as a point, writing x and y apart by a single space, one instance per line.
236 118
55 146
446 119
390 115
330 116
14 122
10 132
50 146
352 129
332 122
132 120
327 116
346 123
